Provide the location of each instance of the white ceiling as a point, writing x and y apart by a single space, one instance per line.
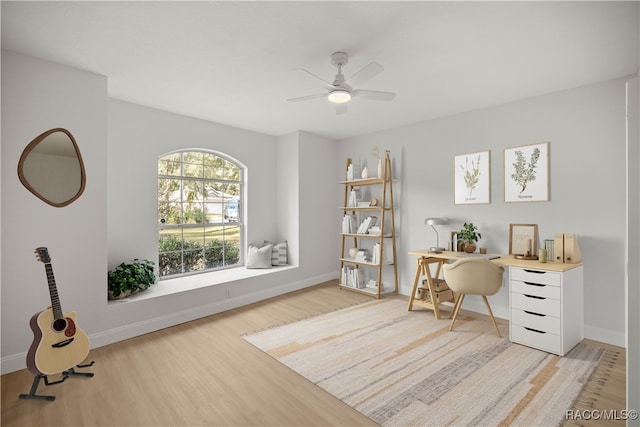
232 62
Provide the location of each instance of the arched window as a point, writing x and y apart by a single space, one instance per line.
199 212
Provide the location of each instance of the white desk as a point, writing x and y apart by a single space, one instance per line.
545 299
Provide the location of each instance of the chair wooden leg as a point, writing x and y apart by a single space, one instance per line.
486 302
456 309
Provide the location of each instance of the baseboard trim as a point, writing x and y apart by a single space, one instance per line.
606 336
16 362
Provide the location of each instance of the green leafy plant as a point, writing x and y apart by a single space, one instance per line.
525 173
133 276
469 234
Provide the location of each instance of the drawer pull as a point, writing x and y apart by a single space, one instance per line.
533 296
535 314
535 330
535 284
535 271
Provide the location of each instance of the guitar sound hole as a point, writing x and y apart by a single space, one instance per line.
59 325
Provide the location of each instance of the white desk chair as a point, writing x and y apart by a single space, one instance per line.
473 276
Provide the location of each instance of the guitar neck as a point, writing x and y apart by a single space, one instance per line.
53 292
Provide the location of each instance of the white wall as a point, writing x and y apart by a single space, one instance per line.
586 131
115 219
319 215
138 136
38 96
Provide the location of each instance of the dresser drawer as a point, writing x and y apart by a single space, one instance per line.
535 276
540 322
538 339
527 288
550 307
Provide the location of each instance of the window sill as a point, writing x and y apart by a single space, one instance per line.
198 281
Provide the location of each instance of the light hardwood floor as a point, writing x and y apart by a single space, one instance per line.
202 373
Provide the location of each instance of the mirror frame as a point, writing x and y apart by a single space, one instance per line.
30 148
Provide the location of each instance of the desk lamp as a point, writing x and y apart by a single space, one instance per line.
432 222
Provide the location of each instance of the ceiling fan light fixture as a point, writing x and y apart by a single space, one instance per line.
339 96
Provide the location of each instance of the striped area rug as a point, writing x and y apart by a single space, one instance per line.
403 368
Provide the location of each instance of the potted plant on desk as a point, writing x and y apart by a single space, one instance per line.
468 236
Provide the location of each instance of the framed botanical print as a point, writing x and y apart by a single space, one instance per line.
526 173
523 238
472 178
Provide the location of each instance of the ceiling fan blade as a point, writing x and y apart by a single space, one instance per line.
325 83
374 95
341 108
304 98
365 74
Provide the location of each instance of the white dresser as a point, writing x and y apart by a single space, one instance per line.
547 310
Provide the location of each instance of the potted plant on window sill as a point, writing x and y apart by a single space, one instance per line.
468 236
130 278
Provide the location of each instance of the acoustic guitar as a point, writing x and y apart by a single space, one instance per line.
58 344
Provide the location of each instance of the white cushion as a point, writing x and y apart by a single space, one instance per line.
259 257
279 254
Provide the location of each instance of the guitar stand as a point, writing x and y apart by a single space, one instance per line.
65 374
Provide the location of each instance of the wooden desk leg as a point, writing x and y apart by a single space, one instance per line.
415 285
432 291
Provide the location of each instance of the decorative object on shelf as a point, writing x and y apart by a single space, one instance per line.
548 245
350 173
472 178
376 153
433 222
468 236
526 173
365 173
542 255
353 252
130 278
523 240
374 202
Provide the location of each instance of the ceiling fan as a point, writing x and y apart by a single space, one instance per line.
340 92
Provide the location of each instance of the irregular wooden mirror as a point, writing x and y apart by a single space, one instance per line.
51 168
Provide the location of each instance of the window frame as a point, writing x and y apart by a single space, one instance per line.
182 226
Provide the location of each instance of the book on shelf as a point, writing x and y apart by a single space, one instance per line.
349 223
375 231
373 284
351 277
375 257
376 254
354 198
363 256
366 223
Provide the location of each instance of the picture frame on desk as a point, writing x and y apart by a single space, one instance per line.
523 238
472 178
526 173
